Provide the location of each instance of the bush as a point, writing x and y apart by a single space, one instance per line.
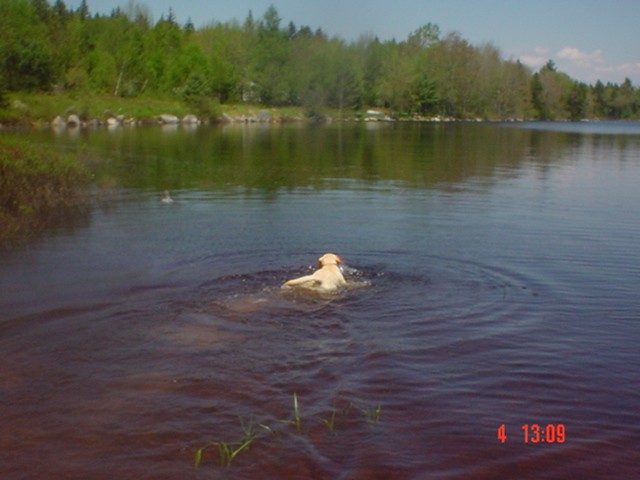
36 184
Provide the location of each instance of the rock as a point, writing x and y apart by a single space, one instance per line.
58 122
169 119
73 120
112 122
18 105
190 119
263 116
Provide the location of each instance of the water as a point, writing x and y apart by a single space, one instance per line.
493 273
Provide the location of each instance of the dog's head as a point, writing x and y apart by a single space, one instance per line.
328 259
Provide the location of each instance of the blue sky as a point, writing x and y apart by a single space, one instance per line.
588 39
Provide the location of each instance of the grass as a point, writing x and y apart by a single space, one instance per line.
35 107
36 184
45 107
228 451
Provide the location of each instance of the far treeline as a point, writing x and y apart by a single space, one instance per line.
50 48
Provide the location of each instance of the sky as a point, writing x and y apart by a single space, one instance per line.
589 40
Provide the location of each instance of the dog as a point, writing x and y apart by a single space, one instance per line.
327 278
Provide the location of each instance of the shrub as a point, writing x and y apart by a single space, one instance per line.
36 183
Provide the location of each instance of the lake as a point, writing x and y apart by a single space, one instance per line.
489 329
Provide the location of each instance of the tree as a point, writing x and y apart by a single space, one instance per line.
270 24
424 37
83 10
60 9
369 56
599 100
454 66
623 102
45 45
550 91
576 101
271 53
249 24
26 55
396 78
424 96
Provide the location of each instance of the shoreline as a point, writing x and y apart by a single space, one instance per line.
60 112
60 124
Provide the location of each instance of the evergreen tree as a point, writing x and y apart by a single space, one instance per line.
576 101
83 10
541 112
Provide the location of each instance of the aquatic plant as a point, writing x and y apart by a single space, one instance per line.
372 415
228 451
296 412
331 421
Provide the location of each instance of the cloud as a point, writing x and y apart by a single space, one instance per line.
592 66
580 57
619 71
582 65
535 59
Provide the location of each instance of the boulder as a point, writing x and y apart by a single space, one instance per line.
73 120
169 119
58 122
190 119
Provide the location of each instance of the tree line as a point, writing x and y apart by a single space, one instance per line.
50 48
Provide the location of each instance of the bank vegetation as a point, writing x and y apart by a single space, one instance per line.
38 186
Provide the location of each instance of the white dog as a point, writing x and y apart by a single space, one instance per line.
328 276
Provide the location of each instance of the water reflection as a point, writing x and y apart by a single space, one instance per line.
268 159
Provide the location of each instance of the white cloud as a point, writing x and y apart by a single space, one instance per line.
580 57
592 66
580 64
535 59
619 72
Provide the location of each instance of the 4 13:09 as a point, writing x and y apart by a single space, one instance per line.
535 433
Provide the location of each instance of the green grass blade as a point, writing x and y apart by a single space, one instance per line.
198 457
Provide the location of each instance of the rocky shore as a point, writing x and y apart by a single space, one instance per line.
263 117
73 120
243 115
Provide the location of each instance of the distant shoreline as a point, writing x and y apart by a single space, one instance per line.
28 110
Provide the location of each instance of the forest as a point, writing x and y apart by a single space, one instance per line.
49 48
